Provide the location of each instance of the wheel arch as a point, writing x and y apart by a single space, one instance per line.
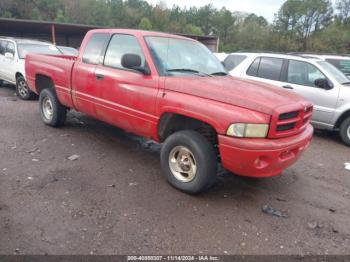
42 82
18 74
170 123
342 117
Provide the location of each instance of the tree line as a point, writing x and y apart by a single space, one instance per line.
299 25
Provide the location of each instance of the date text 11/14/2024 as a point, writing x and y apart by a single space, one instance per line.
173 258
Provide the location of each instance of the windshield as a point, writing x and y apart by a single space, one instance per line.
175 57
342 64
24 49
333 71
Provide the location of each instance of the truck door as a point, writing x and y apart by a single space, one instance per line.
84 91
125 97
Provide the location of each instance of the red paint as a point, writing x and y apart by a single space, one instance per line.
136 102
275 155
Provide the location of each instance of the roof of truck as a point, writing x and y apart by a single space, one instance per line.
141 32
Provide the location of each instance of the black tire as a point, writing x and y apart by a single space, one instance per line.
1 83
345 131
204 156
58 113
22 89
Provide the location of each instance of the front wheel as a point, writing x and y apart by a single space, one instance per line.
189 161
345 131
53 113
23 90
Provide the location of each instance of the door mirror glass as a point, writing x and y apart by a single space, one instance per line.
9 55
323 83
134 62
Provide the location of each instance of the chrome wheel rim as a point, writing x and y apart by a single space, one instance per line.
47 108
22 88
182 164
348 132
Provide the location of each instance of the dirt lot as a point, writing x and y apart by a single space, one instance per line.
114 199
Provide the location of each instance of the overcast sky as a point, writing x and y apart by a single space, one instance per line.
266 8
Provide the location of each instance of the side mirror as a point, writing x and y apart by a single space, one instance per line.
323 83
133 61
9 55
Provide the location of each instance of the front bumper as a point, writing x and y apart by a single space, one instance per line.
262 157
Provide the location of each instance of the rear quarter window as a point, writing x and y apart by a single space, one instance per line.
270 68
94 48
254 67
266 67
232 61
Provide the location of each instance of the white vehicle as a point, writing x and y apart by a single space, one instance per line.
221 56
339 61
313 78
12 56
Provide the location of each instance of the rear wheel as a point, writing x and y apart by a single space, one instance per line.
345 131
189 161
23 90
53 113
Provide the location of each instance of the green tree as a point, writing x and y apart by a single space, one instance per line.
61 17
193 30
335 38
223 22
298 25
343 7
145 24
205 16
298 19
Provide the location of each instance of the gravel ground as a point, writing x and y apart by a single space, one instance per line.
113 199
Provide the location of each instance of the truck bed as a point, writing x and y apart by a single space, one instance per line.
57 67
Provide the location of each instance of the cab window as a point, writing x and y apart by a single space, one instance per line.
119 46
302 73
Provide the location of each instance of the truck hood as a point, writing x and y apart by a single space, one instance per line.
248 94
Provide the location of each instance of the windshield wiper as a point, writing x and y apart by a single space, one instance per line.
219 74
346 83
188 70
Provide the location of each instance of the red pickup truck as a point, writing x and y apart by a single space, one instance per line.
173 90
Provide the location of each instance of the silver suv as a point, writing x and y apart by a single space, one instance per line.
315 79
342 62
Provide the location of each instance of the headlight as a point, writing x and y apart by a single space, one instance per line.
248 130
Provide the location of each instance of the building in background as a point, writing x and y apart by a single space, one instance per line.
68 34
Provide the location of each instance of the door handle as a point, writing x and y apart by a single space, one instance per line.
99 76
288 87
